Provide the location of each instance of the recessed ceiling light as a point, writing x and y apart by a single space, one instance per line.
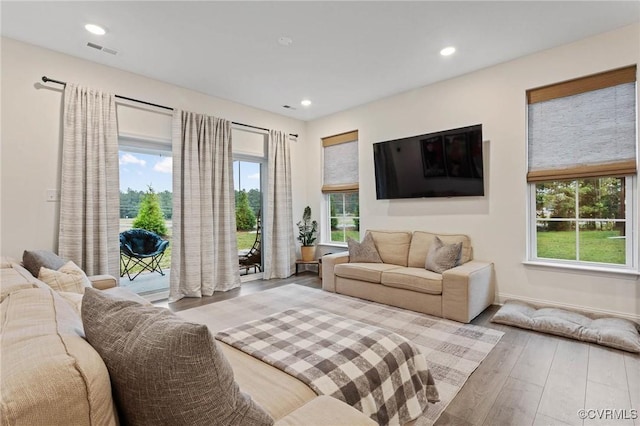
448 51
305 102
285 41
95 29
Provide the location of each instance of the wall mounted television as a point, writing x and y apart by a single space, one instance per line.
440 164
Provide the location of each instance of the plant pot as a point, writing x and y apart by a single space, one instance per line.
308 253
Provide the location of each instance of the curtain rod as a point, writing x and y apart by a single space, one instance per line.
64 83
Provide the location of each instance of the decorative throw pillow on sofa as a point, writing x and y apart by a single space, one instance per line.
163 369
35 259
68 278
364 252
441 257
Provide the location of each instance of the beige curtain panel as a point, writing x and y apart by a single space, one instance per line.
89 193
204 258
280 253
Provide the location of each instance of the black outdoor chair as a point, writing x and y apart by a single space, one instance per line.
253 258
139 247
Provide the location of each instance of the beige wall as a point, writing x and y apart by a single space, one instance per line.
495 97
30 144
496 223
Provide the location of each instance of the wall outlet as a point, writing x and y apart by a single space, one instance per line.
52 195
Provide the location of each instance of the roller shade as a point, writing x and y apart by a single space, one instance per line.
583 128
340 171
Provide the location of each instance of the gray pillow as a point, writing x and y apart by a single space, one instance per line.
364 252
35 259
163 369
441 257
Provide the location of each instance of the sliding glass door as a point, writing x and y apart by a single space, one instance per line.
146 203
248 179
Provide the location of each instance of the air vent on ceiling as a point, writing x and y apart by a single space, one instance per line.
287 107
102 48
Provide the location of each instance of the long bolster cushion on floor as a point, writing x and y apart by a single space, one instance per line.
617 333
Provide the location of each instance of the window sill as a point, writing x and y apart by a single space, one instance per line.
341 245
629 274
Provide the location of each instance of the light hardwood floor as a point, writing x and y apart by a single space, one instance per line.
528 378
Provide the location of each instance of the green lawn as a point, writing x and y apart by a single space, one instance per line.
595 246
245 239
338 235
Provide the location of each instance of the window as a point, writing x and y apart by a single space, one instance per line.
340 186
582 166
583 220
344 216
247 181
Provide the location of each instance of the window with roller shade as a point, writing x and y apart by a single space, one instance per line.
582 143
340 186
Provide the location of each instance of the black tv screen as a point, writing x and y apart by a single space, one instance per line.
441 164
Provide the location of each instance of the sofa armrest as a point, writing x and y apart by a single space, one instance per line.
329 261
325 411
103 282
467 290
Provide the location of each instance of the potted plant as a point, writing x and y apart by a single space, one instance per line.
307 235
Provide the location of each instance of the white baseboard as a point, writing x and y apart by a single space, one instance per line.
502 297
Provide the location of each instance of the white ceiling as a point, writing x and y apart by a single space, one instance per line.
343 54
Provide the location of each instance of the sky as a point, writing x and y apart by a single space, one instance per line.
246 175
138 171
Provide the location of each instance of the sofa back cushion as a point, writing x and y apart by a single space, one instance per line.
421 241
393 246
12 281
50 374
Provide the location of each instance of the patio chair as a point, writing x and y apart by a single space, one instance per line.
253 258
141 248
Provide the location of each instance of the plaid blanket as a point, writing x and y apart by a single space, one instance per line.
376 371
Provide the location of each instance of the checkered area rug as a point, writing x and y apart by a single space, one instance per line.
452 350
377 371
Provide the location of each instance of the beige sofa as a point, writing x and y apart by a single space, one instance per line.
460 293
51 375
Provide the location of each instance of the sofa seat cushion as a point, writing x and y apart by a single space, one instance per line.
274 390
50 374
369 272
421 242
326 411
416 279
